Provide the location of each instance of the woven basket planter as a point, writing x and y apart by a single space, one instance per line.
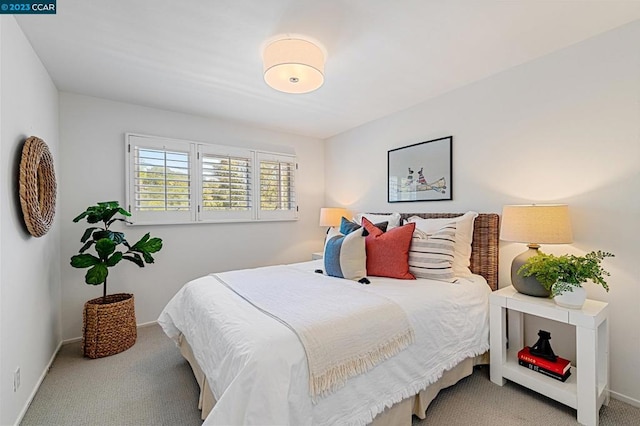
109 327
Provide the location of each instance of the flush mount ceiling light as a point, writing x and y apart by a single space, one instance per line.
293 65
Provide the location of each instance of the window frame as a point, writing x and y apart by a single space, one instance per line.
197 213
151 217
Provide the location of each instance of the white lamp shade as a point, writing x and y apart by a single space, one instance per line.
293 65
536 224
331 216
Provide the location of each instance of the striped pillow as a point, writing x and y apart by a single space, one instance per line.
432 257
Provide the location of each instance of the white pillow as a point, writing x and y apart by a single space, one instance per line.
464 237
392 218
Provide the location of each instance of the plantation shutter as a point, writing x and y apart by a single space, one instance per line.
171 181
277 186
162 180
160 187
227 183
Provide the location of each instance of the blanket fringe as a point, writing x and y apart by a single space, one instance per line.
336 376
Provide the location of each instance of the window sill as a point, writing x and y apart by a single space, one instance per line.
152 223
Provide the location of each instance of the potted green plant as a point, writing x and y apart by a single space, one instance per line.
564 275
109 323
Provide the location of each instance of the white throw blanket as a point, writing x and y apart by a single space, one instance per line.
344 329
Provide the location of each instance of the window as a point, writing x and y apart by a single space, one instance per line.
277 183
174 181
162 180
160 184
227 183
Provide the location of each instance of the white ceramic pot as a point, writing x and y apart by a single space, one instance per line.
572 299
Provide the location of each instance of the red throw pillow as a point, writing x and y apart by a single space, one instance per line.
388 252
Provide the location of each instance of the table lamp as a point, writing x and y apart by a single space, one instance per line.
534 224
331 216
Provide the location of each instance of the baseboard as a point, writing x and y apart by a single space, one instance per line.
624 398
78 339
38 383
72 340
147 324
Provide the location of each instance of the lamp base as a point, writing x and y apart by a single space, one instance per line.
527 285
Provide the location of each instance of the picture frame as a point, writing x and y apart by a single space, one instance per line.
420 172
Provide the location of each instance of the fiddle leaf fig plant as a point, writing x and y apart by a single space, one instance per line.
561 273
105 242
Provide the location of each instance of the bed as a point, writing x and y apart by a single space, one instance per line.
252 369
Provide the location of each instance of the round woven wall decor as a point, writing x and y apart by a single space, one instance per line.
37 186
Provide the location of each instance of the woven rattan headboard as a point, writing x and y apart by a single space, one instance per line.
484 249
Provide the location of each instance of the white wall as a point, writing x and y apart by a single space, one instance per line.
1 156
564 128
30 323
92 150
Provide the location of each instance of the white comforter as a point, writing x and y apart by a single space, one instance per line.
257 369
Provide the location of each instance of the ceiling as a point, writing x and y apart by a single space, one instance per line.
203 57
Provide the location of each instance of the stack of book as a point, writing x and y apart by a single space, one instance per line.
559 370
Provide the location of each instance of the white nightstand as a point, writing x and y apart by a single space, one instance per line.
317 255
588 386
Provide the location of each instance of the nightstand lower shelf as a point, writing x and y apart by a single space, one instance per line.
564 392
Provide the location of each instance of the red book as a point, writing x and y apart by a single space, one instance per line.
562 378
561 366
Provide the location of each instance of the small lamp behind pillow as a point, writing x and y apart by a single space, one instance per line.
331 216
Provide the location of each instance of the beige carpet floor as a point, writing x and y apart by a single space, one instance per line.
150 384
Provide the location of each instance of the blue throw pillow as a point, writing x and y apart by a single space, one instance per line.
347 226
345 255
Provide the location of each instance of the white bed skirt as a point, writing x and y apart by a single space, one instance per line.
398 415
